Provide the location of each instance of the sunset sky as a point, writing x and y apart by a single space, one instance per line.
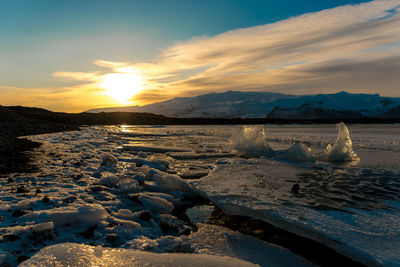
76 55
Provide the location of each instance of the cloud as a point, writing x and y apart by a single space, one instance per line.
353 47
80 76
290 52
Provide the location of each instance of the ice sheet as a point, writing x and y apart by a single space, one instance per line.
69 254
216 240
262 189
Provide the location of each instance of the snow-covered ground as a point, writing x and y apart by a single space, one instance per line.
127 187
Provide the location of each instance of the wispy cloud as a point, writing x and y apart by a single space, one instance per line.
294 54
309 53
354 48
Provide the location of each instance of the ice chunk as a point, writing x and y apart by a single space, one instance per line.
342 150
109 179
156 204
40 227
69 254
128 185
159 245
82 214
250 141
217 240
109 160
154 149
123 225
298 152
171 182
193 155
124 213
152 162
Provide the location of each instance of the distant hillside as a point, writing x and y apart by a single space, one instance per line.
28 119
234 104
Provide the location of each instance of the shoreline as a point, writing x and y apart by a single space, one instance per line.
15 149
101 189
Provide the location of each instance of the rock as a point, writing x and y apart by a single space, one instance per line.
69 200
111 238
46 199
89 233
77 176
22 189
19 213
99 188
22 258
295 188
97 174
144 215
77 163
11 237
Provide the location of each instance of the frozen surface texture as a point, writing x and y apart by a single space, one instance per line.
68 254
127 187
216 240
263 189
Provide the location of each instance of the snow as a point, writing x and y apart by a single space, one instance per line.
233 104
69 254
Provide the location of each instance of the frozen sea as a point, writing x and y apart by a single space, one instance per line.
120 187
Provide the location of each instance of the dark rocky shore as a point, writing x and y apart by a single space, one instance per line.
17 121
13 150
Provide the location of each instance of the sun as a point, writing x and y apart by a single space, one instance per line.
122 86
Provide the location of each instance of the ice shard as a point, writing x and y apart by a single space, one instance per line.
342 150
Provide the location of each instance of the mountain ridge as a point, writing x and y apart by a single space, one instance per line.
237 104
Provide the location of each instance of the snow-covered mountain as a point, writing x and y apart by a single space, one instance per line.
233 104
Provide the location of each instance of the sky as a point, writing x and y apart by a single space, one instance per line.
73 55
